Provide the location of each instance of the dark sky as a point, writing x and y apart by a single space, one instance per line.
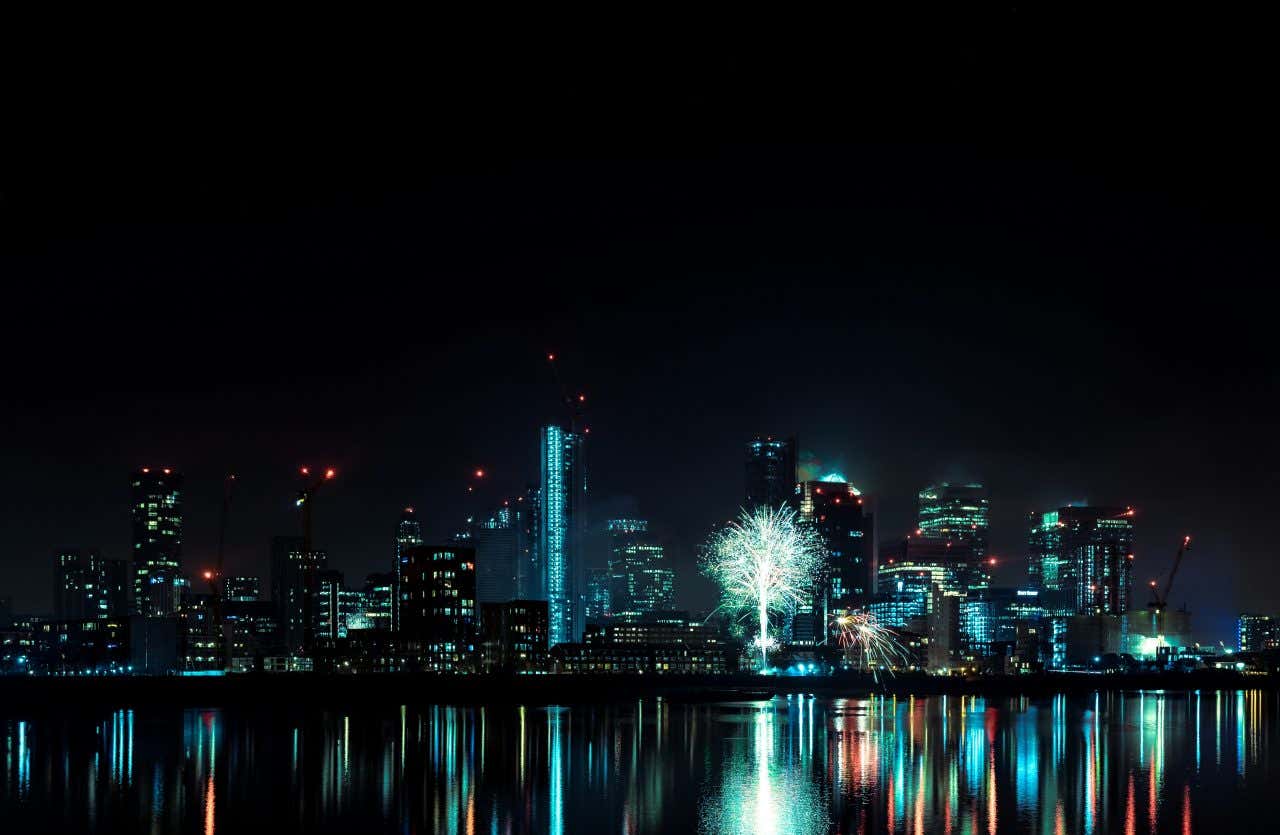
1038 256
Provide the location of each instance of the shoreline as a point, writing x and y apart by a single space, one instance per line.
378 690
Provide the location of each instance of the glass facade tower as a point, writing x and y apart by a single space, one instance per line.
561 525
640 582
1082 558
408 535
956 512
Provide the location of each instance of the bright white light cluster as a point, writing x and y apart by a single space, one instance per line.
765 561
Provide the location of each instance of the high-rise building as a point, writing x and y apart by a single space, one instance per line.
497 542
948 567
525 517
561 528
1082 558
294 583
117 578
847 526
641 582
1258 633
955 512
241 589
408 535
438 606
771 472
599 595
79 585
157 540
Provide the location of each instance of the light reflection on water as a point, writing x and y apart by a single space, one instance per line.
1108 762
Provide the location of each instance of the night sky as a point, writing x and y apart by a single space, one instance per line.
1018 262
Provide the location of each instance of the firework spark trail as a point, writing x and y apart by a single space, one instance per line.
765 561
875 643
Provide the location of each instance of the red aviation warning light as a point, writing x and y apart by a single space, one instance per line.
479 473
330 473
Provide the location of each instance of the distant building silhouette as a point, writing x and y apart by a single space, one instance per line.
770 472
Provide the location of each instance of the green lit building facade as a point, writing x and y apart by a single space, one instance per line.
955 512
1082 559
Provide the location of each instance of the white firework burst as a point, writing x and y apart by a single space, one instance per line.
765 561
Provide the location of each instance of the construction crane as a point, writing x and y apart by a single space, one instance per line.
305 500
1159 602
575 404
214 576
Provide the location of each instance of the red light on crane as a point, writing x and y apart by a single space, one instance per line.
305 470
208 575
582 398
330 473
551 357
479 473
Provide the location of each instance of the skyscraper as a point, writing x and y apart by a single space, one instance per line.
562 523
526 517
408 535
955 511
1082 557
599 595
79 585
438 606
294 584
157 540
848 529
496 539
641 582
771 472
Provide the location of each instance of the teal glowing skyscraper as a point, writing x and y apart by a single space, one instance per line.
955 512
562 524
1082 557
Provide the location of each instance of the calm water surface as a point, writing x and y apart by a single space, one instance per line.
1132 762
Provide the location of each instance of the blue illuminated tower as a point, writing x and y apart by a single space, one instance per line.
562 523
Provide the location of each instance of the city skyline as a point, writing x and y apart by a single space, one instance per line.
888 271
1026 570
